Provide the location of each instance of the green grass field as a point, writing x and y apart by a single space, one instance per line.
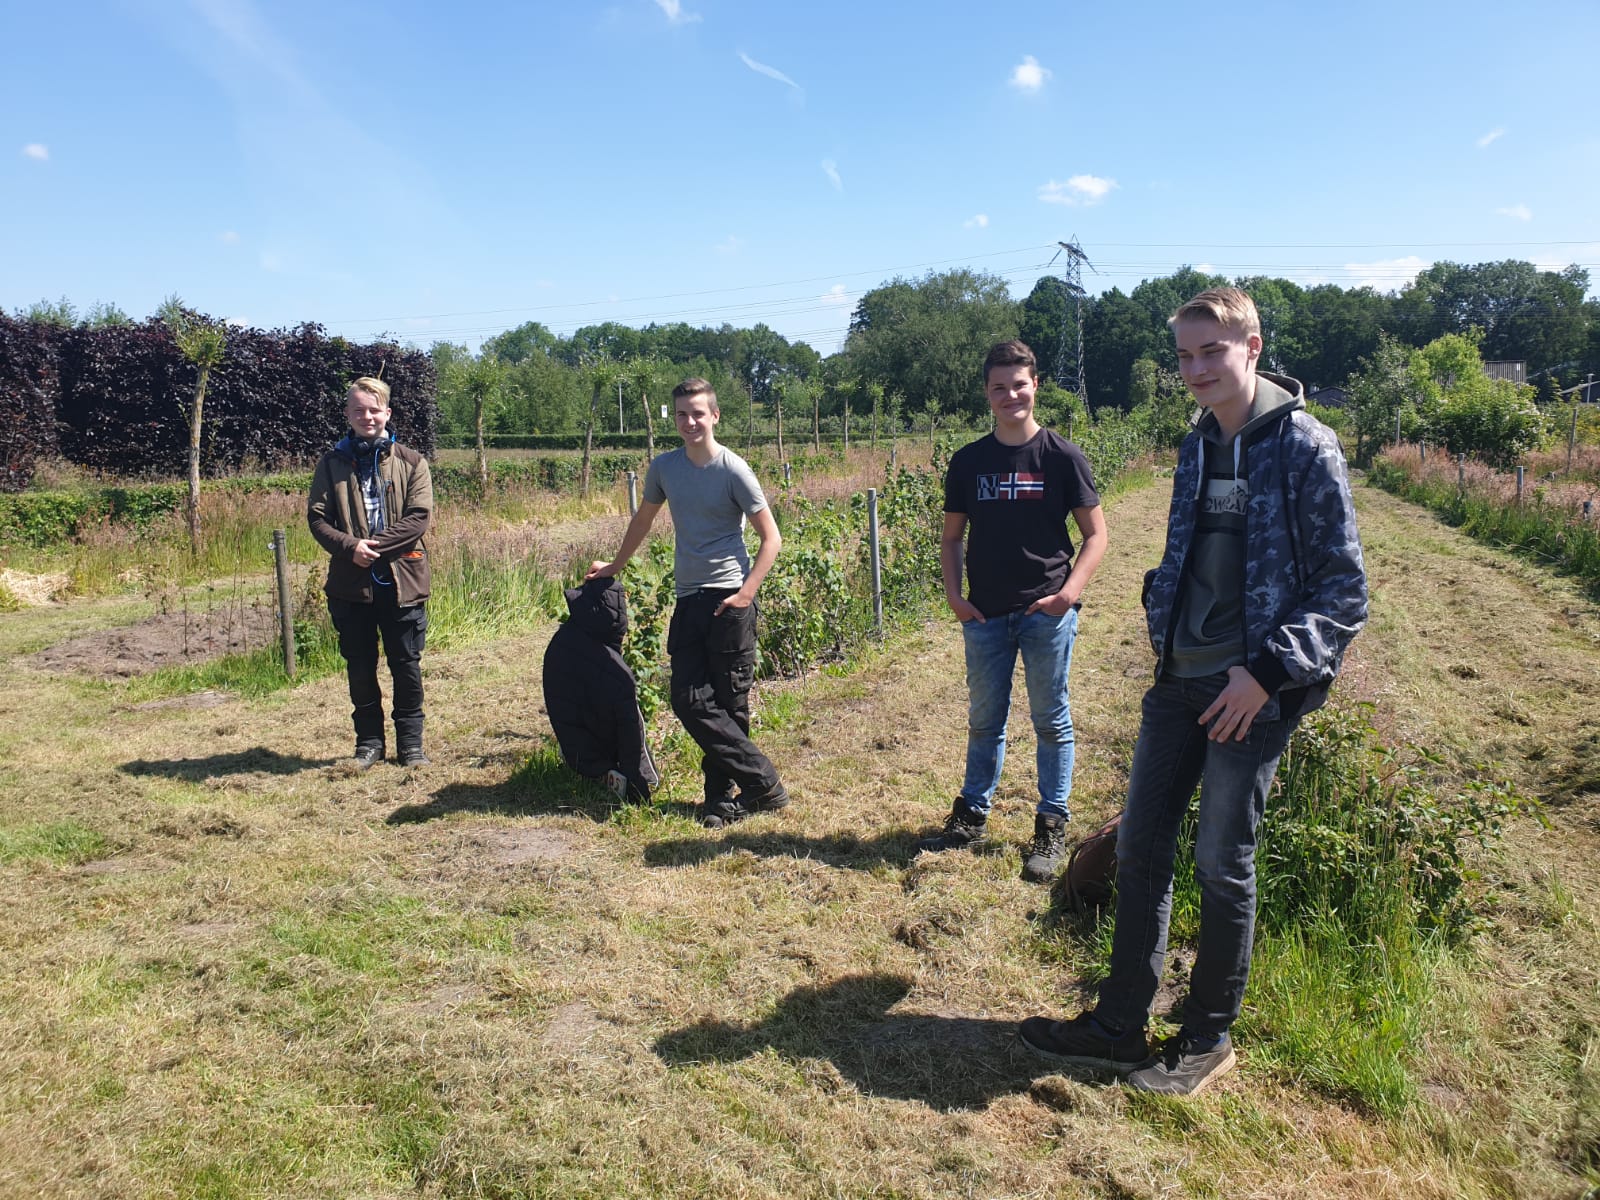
238 969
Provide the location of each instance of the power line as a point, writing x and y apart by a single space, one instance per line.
880 271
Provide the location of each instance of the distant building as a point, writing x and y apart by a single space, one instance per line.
1330 397
1513 369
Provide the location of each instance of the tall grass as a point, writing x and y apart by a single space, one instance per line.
1364 880
1548 525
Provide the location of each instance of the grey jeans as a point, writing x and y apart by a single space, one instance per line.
1172 756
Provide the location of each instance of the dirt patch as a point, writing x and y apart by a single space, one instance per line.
518 847
205 699
570 1029
444 999
164 640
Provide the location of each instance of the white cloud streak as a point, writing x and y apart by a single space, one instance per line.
1385 275
831 170
761 68
1028 75
675 12
836 295
977 221
1488 139
1080 191
36 150
1517 212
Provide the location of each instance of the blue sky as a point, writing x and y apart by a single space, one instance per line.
439 171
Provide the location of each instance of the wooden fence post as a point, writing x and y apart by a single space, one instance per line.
280 557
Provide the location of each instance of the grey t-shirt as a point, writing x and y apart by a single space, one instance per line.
708 506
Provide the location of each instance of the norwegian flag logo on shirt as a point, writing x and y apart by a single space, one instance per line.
1017 485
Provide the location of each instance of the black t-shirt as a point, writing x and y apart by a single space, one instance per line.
1017 500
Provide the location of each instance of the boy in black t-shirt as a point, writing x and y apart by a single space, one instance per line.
1006 501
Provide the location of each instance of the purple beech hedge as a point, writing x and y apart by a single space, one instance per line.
113 398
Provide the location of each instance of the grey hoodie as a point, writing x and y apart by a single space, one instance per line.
1208 635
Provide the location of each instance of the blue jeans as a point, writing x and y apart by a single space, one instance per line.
992 646
1173 755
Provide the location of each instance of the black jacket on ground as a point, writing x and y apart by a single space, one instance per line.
591 696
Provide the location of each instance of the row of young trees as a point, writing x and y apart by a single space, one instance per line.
914 346
910 358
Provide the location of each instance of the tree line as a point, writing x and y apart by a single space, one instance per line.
910 358
914 346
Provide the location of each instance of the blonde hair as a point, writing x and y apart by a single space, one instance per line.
372 387
1229 307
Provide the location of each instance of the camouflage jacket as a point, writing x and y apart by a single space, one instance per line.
1304 585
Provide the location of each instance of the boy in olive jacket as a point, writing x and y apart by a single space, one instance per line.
370 508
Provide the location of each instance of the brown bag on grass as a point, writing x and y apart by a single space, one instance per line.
1091 874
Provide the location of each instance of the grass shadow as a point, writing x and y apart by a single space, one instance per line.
948 1063
256 760
844 850
542 785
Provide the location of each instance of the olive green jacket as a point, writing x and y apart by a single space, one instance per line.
338 519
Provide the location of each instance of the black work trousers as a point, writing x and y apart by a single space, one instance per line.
713 666
404 631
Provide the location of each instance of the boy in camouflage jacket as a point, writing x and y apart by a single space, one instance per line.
1259 592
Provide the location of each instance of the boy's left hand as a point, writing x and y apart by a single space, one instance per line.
1054 605
737 600
1235 707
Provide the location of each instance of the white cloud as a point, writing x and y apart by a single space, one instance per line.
731 245
228 237
675 13
836 295
1205 268
271 261
1517 212
37 150
1080 190
1385 275
236 322
979 221
1494 135
1028 75
1576 253
831 170
761 68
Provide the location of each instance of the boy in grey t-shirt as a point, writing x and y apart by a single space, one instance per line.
711 642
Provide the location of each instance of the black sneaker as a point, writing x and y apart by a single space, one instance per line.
963 829
367 756
718 813
1182 1069
1049 846
1084 1042
412 756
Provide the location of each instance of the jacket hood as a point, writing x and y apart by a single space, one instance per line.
599 609
1276 397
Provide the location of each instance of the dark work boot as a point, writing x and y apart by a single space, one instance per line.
719 813
1049 845
963 829
412 756
368 754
